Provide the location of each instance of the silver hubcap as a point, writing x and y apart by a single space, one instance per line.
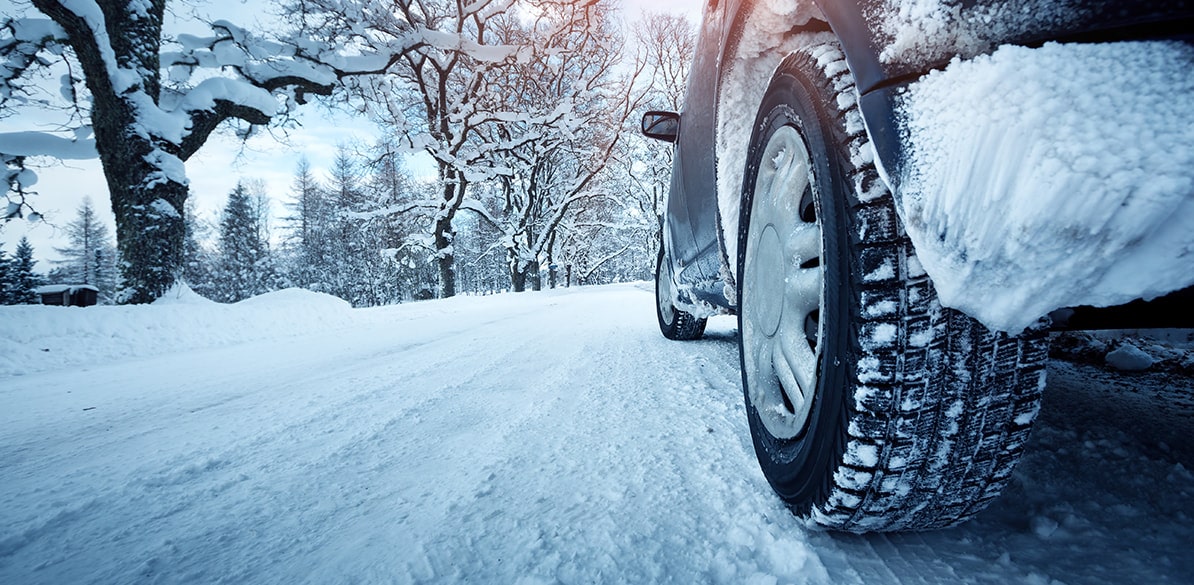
782 292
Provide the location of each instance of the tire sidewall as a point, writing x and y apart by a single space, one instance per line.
667 327
800 469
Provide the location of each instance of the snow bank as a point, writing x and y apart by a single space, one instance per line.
35 338
1052 177
181 294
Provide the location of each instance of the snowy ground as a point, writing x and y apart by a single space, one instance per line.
535 438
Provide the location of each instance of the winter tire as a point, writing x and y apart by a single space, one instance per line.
871 407
675 323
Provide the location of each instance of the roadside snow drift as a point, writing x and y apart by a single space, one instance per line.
1052 177
37 338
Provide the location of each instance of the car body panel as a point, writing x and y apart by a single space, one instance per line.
691 229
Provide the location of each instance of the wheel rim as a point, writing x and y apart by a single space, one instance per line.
783 292
663 291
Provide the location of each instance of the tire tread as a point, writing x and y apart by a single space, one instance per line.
947 404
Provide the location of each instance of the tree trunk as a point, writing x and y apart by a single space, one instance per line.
149 224
145 176
445 256
533 272
518 279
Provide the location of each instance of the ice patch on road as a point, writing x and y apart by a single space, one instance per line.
1052 177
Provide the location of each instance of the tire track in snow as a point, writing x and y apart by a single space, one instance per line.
188 485
644 466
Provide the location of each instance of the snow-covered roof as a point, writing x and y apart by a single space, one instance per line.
50 289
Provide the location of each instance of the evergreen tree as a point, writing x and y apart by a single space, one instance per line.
198 259
400 212
6 279
352 245
270 270
308 225
90 257
22 276
242 256
344 246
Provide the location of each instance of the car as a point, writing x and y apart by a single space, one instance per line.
801 201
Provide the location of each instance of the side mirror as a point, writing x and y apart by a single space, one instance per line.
663 126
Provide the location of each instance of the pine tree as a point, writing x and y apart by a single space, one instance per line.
6 279
91 257
348 251
198 259
270 273
242 255
22 276
308 225
397 220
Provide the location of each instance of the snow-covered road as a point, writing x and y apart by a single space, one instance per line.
535 438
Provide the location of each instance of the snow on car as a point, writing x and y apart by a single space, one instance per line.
899 198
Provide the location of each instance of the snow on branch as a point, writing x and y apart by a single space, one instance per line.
22 41
596 265
479 209
44 144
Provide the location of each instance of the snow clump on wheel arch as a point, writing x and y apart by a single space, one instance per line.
1077 187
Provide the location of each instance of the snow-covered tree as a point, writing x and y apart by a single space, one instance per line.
22 278
306 226
574 100
7 286
242 266
395 217
199 259
441 95
144 102
360 232
346 242
615 237
333 238
667 41
599 241
90 257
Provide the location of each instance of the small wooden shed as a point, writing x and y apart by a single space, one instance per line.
68 295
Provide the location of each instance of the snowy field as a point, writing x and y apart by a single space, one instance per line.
549 437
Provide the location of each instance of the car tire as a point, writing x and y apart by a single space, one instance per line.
871 407
674 323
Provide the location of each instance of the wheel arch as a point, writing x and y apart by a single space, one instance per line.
738 91
812 20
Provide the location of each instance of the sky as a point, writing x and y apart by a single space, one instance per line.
215 170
